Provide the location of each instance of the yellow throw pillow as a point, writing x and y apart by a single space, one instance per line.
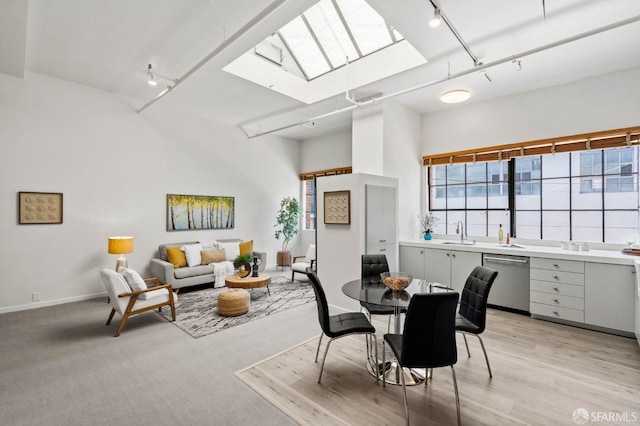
176 256
246 248
213 256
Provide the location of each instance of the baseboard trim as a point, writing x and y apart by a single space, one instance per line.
45 303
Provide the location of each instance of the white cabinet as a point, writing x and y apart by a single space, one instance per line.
412 261
381 226
609 296
557 289
450 267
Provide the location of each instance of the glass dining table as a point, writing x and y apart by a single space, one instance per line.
381 295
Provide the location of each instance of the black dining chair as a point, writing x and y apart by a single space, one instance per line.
340 325
372 266
428 339
472 315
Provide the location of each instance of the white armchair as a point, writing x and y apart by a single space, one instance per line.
300 263
129 302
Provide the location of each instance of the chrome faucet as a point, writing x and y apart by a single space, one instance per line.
460 230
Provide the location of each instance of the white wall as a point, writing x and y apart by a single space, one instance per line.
320 153
340 247
605 102
115 167
402 160
367 140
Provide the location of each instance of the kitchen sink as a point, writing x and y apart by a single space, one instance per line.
460 243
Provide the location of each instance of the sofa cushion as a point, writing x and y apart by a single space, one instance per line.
209 244
246 247
176 257
213 256
192 253
135 281
231 249
194 271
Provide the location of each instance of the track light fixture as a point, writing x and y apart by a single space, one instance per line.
153 77
517 64
151 81
437 18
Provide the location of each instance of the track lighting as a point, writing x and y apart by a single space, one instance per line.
437 18
151 81
517 64
153 77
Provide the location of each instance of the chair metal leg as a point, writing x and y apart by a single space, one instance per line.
318 350
464 336
375 345
324 358
486 358
384 364
455 388
404 391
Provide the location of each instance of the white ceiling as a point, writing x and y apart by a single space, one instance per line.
107 44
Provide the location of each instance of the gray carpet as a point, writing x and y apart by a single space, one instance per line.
197 311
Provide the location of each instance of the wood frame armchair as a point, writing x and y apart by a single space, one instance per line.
129 303
300 264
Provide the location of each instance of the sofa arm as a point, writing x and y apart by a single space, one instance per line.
163 270
262 255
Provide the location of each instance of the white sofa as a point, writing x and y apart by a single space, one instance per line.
190 275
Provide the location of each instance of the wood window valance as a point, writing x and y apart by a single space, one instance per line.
618 138
327 172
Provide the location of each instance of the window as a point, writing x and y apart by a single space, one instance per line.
581 196
309 204
474 193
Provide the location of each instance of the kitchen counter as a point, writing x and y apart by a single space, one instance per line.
597 256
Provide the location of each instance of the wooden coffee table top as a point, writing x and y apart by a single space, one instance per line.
234 281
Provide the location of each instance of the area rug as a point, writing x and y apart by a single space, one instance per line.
197 311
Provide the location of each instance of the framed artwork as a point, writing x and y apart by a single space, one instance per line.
337 207
39 207
191 212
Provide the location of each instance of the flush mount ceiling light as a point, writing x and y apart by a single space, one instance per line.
437 18
455 96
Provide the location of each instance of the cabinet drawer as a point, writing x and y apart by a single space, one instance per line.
557 312
556 276
557 265
557 288
557 300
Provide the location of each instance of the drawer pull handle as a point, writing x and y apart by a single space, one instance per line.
383 249
453 255
556 312
555 288
448 254
555 299
383 241
555 264
556 277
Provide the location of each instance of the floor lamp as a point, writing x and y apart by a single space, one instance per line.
121 246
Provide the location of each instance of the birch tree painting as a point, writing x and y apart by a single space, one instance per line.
186 212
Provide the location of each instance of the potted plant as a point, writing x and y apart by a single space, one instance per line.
287 222
243 264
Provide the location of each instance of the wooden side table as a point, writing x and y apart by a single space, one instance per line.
262 280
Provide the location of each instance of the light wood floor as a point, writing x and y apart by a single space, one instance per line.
542 372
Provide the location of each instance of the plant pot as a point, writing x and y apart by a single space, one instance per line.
284 258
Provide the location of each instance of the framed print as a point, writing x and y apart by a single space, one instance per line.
39 207
192 212
337 207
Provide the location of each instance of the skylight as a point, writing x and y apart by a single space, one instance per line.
333 32
333 47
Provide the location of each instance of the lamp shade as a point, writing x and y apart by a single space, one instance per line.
120 245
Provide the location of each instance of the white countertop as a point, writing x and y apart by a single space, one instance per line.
600 256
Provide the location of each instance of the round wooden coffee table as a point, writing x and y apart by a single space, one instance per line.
262 280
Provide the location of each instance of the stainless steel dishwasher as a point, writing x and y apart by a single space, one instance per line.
511 287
